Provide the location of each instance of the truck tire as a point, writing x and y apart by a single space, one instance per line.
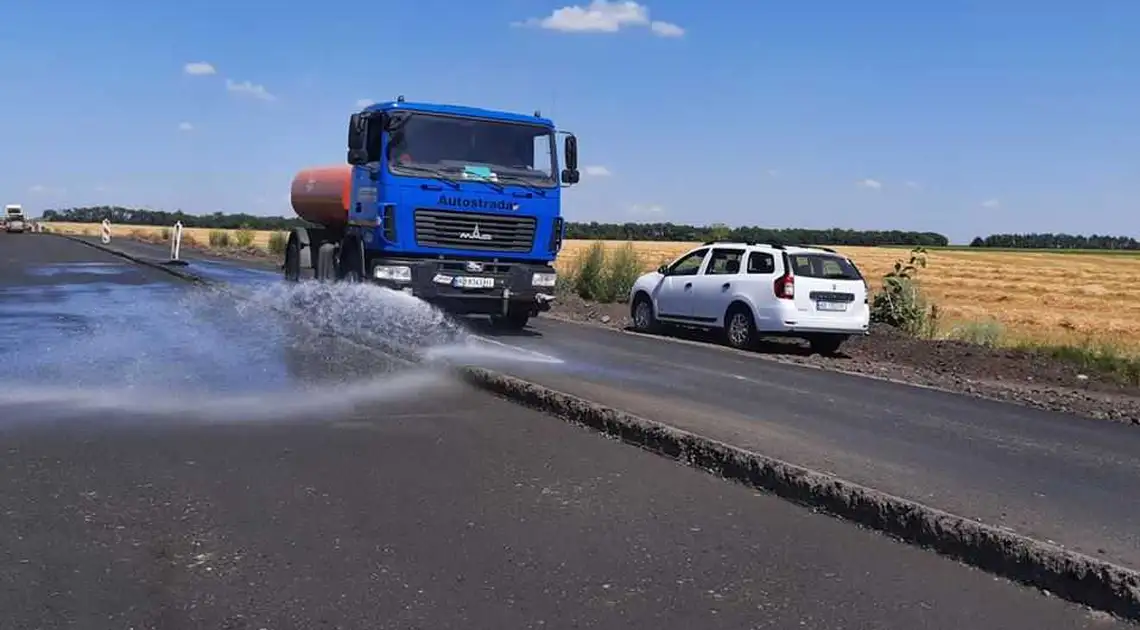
326 262
351 261
514 320
292 267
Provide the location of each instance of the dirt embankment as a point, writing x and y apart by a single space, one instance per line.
1029 378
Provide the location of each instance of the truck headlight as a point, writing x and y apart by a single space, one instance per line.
544 279
395 273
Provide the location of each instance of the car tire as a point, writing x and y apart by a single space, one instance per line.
739 327
826 345
642 315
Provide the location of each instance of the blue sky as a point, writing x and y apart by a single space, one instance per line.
965 117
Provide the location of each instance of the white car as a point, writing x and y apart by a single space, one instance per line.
748 290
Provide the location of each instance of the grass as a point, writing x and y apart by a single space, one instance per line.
1085 305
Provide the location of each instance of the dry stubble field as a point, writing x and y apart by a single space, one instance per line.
1034 297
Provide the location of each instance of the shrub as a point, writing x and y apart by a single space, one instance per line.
621 271
901 303
245 236
277 243
588 273
219 238
165 233
603 276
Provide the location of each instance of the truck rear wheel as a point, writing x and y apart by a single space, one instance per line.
293 261
326 262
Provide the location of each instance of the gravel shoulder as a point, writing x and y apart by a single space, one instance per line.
1009 375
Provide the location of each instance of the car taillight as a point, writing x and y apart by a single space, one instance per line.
785 287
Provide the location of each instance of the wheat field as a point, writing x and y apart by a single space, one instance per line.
1036 297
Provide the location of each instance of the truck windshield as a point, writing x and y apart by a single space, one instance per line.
465 148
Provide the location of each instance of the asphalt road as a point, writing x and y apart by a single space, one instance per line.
424 505
1051 476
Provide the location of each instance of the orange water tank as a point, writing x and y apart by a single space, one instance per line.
321 194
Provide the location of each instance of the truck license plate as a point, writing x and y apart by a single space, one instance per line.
467 282
831 306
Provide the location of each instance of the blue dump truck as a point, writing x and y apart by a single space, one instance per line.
458 206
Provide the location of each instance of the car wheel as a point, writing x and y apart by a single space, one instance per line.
739 327
644 320
826 345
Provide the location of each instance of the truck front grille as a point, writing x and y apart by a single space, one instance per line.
474 231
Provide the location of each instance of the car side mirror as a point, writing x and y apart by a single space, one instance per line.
663 270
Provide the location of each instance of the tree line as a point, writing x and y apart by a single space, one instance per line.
629 231
574 230
1056 241
142 216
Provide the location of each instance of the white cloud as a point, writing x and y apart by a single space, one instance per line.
247 88
46 191
597 171
199 68
991 203
667 29
185 126
601 16
873 184
361 103
646 208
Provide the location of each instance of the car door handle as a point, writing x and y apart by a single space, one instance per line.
688 285
726 285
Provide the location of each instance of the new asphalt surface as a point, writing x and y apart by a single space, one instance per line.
1052 476
255 503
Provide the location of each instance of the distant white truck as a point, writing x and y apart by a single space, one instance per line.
14 218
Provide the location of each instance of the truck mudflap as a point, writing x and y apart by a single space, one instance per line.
470 287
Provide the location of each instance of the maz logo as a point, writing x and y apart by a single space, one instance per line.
475 235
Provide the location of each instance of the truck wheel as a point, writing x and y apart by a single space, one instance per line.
350 261
513 320
293 261
326 262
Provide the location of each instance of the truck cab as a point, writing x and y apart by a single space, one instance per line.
14 218
459 206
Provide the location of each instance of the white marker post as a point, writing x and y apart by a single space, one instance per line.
105 231
176 246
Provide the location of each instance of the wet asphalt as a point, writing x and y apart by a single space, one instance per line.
1051 476
256 500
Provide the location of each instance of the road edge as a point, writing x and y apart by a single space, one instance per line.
1070 575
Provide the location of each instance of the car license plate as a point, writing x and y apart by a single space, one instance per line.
467 282
831 306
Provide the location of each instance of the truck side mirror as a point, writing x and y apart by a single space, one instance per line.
356 152
355 129
570 174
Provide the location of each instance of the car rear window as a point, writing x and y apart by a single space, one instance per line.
823 266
